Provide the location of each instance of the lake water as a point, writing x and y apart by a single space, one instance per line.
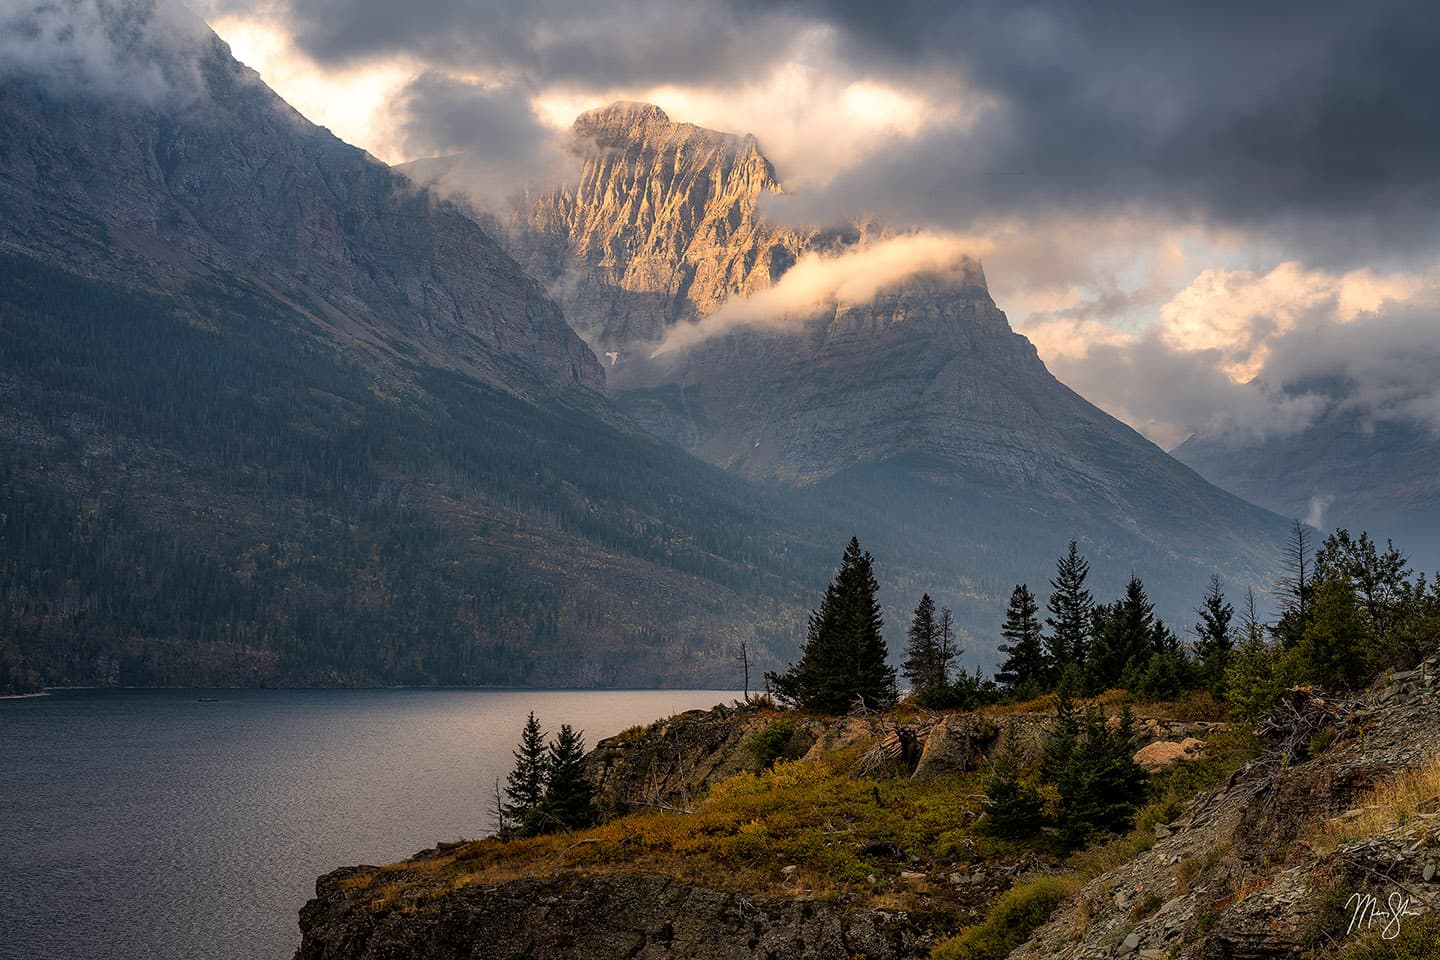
145 825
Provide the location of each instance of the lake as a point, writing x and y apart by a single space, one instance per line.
146 825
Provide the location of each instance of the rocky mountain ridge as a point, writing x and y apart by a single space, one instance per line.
911 409
273 415
232 181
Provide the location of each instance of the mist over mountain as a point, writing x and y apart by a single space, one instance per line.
822 360
273 415
1345 468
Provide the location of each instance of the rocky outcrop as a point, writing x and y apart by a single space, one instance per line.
1240 875
613 917
673 761
662 225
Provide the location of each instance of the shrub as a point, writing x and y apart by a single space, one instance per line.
1010 922
771 743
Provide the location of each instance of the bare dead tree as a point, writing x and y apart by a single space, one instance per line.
744 658
501 826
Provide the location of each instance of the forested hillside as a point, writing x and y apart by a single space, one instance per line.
200 489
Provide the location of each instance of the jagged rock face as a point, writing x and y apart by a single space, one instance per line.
921 398
617 916
227 178
662 225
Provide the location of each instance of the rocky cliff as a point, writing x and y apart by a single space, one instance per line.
607 918
1341 800
662 225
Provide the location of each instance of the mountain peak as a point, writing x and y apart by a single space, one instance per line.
621 118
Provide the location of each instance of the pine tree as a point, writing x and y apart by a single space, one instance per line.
1093 770
1256 674
568 803
1013 807
844 659
525 786
1125 638
1168 670
1379 579
1070 604
1026 667
946 635
1214 643
922 654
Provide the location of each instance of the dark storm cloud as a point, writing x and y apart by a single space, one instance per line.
589 42
495 142
1309 120
1273 114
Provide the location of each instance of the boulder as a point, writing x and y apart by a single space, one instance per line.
1162 753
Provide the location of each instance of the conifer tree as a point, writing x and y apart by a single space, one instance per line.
1378 579
945 633
1125 638
1093 770
1332 648
568 803
1214 643
1167 671
922 665
1013 807
1257 674
1070 605
844 659
525 785
1026 668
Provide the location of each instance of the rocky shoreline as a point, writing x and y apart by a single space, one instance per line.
1242 872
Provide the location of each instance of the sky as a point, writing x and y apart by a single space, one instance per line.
1205 216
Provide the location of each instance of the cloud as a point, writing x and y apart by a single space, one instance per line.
1307 124
818 280
493 141
812 116
596 43
1263 353
139 50
1278 117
